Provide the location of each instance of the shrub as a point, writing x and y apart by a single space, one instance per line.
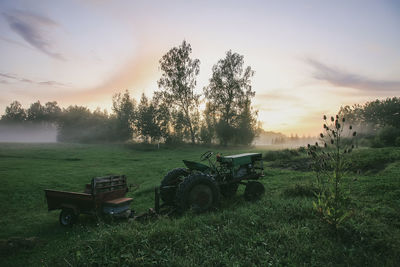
397 143
281 154
388 135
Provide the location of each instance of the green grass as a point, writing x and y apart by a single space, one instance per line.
280 229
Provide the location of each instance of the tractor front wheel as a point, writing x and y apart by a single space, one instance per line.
254 190
199 192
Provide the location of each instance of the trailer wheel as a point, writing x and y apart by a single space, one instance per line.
229 190
172 179
199 192
67 217
254 190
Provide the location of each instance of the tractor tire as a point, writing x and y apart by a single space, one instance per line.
198 192
229 190
67 217
254 190
172 178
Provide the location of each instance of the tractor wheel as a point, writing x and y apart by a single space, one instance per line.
229 190
199 192
254 190
172 178
67 217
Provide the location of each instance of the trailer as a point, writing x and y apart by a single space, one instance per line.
103 195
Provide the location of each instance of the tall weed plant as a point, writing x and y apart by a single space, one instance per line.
331 165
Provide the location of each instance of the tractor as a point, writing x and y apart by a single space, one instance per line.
200 186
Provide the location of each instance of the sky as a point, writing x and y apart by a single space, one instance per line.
309 57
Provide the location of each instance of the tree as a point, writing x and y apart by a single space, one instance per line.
14 113
207 130
52 111
374 115
229 94
73 124
124 108
79 124
162 117
247 126
178 81
152 119
36 112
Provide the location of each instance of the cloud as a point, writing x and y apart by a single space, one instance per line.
133 75
51 83
277 95
13 42
341 78
25 80
31 28
9 76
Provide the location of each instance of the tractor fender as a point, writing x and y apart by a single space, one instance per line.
196 166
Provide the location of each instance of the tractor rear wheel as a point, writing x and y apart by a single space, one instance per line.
229 190
254 190
170 183
199 192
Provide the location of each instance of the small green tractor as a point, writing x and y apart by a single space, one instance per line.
199 186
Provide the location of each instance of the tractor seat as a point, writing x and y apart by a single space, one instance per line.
118 201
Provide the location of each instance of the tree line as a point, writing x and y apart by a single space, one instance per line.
377 122
172 115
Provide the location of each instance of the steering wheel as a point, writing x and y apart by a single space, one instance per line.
206 155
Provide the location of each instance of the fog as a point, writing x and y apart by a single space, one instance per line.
28 133
281 141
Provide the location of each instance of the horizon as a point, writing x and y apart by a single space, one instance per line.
309 57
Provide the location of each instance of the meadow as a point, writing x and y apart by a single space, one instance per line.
280 229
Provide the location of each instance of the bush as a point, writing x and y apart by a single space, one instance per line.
377 142
388 135
397 143
365 142
286 154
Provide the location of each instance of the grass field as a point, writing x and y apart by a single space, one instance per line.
280 229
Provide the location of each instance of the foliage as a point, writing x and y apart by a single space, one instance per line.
36 112
229 94
207 130
247 126
79 124
178 81
14 113
373 116
330 166
146 123
388 135
289 154
124 108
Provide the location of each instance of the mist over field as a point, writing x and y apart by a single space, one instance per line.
33 133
